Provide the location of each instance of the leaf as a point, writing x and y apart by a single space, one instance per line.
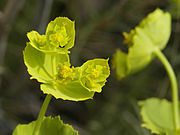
157 27
73 91
140 54
152 33
59 37
170 132
157 116
49 126
39 64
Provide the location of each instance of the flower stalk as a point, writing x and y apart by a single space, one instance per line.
174 86
42 114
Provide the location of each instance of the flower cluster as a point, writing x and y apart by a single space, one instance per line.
47 59
152 33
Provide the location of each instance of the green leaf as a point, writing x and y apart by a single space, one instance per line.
39 64
141 53
73 91
94 74
152 33
157 116
59 37
170 132
49 126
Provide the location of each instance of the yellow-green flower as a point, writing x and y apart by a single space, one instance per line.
59 37
152 33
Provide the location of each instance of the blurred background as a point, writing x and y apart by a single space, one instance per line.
99 27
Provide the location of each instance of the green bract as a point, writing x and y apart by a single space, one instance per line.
158 116
152 33
49 126
59 37
40 65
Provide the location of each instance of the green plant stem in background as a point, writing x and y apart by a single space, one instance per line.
42 113
174 86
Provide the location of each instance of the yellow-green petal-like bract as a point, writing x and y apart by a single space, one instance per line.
40 65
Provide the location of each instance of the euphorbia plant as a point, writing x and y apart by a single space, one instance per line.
47 60
145 43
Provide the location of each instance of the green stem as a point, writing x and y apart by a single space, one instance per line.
174 86
41 114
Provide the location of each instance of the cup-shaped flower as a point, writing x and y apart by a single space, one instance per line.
62 80
152 33
94 73
59 36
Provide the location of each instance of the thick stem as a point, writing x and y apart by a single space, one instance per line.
41 114
174 86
